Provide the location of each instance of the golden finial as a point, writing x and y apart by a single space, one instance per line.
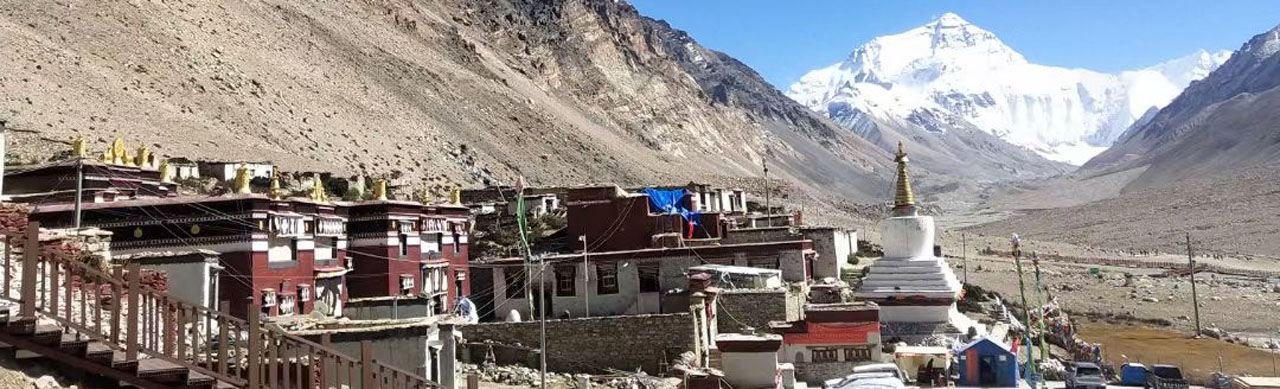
166 172
424 195
118 152
105 157
242 179
78 147
379 189
904 202
143 157
317 189
274 191
455 197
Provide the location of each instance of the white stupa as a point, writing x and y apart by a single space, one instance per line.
911 285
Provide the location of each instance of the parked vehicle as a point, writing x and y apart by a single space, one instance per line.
1085 375
870 376
1166 377
1133 374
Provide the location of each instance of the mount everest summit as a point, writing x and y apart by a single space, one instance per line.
950 73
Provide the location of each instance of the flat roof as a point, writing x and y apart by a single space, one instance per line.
647 251
735 269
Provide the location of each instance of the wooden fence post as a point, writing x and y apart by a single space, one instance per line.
255 344
366 366
131 320
30 259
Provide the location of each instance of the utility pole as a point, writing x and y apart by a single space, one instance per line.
1191 262
79 188
542 312
586 277
4 132
1035 262
964 256
1022 291
768 212
523 224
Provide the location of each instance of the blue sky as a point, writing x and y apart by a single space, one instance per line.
784 39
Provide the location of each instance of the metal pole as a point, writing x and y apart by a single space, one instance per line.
1195 300
542 299
1035 262
79 189
1022 291
586 278
964 256
3 143
768 211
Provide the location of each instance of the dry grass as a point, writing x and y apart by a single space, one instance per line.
1198 358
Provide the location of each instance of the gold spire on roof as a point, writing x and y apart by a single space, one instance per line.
379 189
903 200
317 189
78 147
118 152
424 195
242 179
143 157
166 172
455 197
274 191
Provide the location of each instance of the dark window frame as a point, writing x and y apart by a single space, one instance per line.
607 278
515 282
566 281
650 275
825 355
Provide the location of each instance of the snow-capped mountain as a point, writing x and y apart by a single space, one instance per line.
950 70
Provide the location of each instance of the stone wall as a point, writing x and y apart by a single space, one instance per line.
814 373
587 345
756 308
379 308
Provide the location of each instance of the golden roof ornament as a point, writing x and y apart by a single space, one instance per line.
143 157
274 191
78 147
424 195
317 190
118 153
379 189
166 172
904 202
105 157
455 197
241 185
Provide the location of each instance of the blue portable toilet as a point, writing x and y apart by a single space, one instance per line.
988 363
1133 374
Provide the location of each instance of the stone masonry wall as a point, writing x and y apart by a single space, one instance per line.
815 373
756 308
587 345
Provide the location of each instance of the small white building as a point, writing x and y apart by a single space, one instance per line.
750 361
192 275
536 204
226 170
834 245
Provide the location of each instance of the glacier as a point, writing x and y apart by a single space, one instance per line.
950 69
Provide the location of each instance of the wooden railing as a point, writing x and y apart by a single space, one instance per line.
143 322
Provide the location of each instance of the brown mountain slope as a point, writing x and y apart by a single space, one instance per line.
571 91
1224 122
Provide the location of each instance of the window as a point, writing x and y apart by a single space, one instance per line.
515 282
649 278
457 243
404 245
333 248
606 278
825 355
566 280
406 284
857 354
293 247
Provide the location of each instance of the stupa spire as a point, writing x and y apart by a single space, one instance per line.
904 201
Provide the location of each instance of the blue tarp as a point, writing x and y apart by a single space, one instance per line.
671 202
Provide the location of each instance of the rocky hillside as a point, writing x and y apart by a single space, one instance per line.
442 92
1224 122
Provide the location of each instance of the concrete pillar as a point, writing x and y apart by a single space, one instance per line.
448 354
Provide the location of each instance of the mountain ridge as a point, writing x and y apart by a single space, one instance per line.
952 67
